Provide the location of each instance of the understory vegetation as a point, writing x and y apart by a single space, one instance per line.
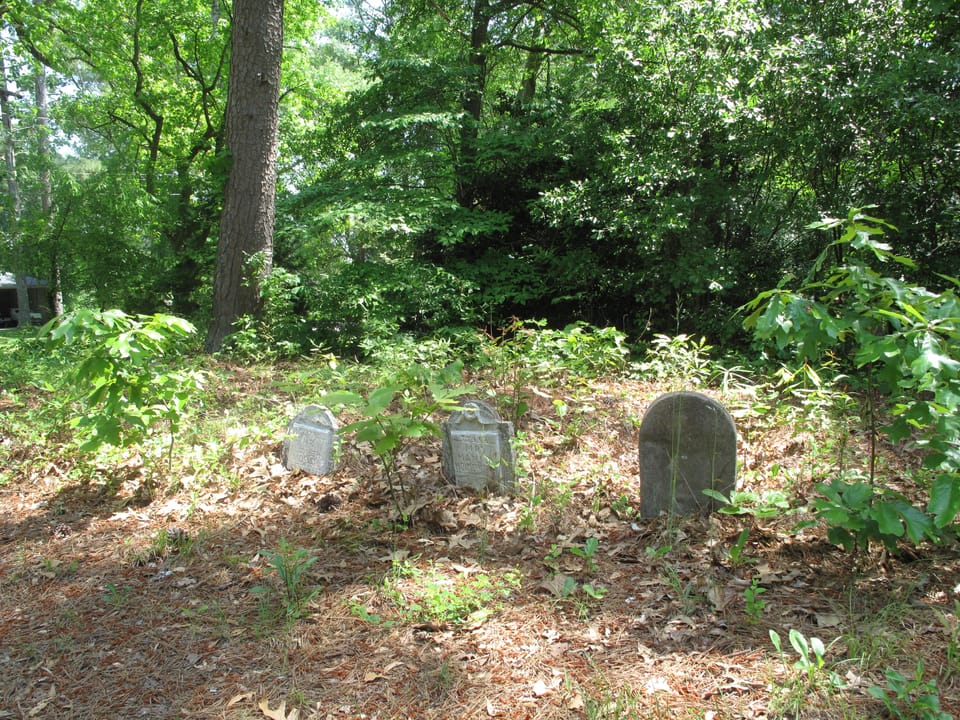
152 540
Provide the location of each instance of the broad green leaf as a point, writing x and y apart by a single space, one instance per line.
945 499
918 524
379 400
799 643
888 519
340 397
385 444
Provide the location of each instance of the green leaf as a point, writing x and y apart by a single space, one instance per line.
842 537
919 525
775 640
799 643
340 397
945 499
380 399
888 519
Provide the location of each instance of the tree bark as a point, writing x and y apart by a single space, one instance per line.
46 186
245 248
13 191
473 103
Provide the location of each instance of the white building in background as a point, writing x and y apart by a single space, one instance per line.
39 300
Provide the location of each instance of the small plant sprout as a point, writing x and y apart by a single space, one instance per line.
910 698
587 551
754 604
811 660
290 565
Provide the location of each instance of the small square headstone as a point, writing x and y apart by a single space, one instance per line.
478 448
311 441
688 443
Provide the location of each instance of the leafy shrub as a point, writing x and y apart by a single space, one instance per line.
682 359
356 309
578 349
398 412
122 386
905 342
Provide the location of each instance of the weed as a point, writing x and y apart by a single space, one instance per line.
682 361
656 553
116 596
433 596
552 558
124 389
586 552
416 394
290 565
737 556
684 591
910 698
362 612
808 673
622 704
754 605
623 509
766 504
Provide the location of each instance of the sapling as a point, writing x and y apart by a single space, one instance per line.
124 389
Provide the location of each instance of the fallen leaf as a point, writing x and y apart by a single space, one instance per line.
540 688
657 684
280 713
42 705
826 620
559 585
239 698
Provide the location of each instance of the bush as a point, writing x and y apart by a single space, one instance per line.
355 310
903 340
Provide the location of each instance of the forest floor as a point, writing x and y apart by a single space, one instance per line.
243 590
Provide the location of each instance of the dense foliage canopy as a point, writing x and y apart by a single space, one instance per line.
650 165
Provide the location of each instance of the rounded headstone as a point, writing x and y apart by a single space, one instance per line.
688 443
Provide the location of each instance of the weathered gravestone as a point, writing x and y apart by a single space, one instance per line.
311 441
688 443
478 448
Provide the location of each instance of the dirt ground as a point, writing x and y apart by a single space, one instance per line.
111 608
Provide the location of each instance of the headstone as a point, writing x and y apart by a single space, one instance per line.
688 443
478 448
311 441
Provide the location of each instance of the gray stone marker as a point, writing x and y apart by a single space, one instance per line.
311 441
478 449
688 443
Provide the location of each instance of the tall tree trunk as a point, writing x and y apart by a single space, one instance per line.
46 187
13 192
473 103
245 248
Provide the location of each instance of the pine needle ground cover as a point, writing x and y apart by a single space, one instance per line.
238 589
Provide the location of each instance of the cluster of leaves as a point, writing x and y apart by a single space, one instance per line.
290 564
352 309
122 384
905 340
399 411
432 596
